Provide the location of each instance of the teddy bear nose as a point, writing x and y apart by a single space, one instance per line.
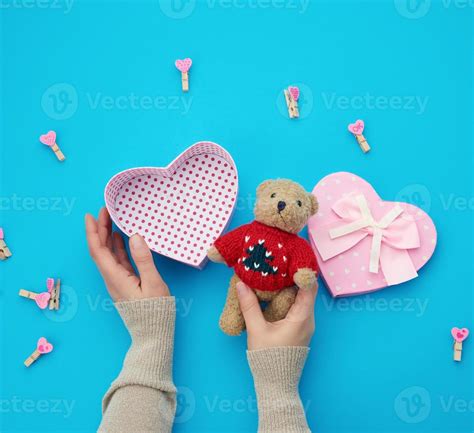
281 205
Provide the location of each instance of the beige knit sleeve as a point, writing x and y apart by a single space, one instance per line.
276 372
143 397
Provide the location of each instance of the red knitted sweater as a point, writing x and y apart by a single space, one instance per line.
264 257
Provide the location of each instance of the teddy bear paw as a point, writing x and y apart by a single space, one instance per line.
305 278
214 255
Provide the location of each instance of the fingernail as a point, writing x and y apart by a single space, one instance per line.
241 288
138 243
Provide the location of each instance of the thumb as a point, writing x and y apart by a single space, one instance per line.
151 281
249 306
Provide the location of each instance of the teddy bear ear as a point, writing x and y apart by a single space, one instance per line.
314 203
263 185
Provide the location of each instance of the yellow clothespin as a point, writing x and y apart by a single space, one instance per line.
5 252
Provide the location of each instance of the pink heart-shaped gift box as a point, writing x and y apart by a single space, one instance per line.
180 209
347 273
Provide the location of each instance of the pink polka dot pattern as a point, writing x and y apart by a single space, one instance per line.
348 273
180 210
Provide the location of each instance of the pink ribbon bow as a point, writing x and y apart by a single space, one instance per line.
392 236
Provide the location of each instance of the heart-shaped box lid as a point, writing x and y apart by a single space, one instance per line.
344 258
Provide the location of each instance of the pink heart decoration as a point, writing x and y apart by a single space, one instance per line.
50 284
357 128
294 92
44 346
49 139
180 209
348 273
183 65
42 299
1 233
459 334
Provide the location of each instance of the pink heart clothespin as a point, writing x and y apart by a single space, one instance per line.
43 299
5 252
183 66
42 348
357 128
459 336
49 140
292 94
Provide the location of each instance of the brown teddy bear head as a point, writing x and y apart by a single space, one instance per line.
284 204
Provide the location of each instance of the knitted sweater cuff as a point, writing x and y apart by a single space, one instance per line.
149 361
276 372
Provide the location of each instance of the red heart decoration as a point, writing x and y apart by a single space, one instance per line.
49 139
180 209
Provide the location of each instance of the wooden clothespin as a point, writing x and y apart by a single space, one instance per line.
292 94
357 128
55 293
42 299
184 66
42 348
459 336
49 140
5 252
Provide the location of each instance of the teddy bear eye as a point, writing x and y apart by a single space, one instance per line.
298 202
273 195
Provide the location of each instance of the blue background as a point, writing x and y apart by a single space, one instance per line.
382 363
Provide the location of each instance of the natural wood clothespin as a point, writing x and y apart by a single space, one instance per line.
183 66
459 336
42 347
43 299
55 294
292 95
357 129
49 140
5 252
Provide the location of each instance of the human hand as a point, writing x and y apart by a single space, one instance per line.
296 329
110 256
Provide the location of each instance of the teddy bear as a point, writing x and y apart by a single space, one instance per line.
267 254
